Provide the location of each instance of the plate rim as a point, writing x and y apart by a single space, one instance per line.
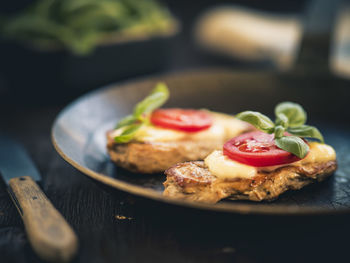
243 209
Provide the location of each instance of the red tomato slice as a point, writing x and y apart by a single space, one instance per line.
257 149
187 120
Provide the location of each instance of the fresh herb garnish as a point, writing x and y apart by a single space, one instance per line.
291 118
128 133
141 113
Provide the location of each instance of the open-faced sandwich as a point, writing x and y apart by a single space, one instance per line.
151 139
258 165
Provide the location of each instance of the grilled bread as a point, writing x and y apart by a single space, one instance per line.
155 149
197 181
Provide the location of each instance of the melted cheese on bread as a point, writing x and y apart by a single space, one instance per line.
318 153
222 166
224 126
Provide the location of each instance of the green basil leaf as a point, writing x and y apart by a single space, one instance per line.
279 131
128 120
128 134
159 95
258 120
282 120
307 132
132 123
293 111
293 144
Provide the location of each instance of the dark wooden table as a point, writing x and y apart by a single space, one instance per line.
115 227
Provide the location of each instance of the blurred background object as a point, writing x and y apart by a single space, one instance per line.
340 53
250 35
318 24
53 51
81 25
57 49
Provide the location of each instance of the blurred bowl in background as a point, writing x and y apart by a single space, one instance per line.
46 76
31 73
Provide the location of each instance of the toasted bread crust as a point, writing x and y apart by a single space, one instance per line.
155 157
193 181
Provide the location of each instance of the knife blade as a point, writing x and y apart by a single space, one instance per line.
15 161
49 234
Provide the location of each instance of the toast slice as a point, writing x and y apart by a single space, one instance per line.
155 149
193 181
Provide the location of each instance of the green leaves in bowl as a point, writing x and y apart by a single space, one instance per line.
80 25
141 113
290 118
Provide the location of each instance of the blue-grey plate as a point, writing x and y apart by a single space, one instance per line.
78 133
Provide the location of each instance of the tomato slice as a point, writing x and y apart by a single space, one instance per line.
187 120
257 149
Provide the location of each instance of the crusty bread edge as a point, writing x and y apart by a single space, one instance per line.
269 190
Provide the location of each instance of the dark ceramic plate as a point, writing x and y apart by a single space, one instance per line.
79 131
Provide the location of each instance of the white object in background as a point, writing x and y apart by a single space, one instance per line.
251 35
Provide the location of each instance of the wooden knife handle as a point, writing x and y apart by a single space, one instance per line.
49 234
